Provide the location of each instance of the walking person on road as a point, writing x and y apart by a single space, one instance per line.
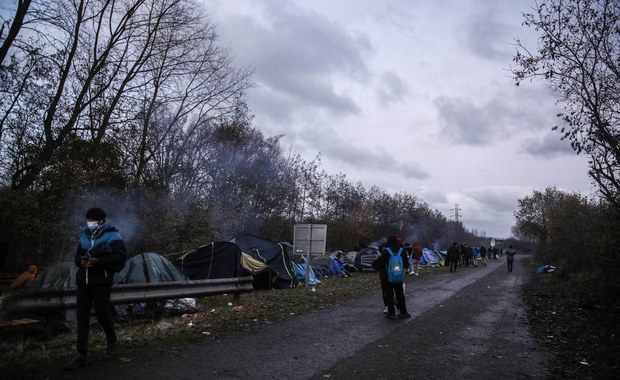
392 288
100 252
510 256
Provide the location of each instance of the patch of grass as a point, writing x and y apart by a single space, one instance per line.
19 351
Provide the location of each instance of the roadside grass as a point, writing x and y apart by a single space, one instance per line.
31 353
570 320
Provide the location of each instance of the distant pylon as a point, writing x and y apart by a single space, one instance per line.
456 210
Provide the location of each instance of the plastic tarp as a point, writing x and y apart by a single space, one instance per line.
210 261
429 258
146 268
365 257
251 264
279 262
57 276
300 274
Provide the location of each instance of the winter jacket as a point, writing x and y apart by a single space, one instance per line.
107 245
381 262
510 254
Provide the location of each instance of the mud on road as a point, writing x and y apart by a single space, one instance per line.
467 325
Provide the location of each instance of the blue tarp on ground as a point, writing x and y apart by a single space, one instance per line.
300 274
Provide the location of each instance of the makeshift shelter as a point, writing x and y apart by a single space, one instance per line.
150 268
213 260
330 265
279 272
146 268
365 257
429 258
300 273
56 276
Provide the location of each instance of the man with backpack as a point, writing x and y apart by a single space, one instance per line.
392 265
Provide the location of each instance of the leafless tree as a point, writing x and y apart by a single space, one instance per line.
578 54
101 73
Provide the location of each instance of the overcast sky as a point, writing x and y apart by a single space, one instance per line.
408 95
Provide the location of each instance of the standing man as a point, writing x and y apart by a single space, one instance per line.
510 256
392 288
453 256
416 254
100 252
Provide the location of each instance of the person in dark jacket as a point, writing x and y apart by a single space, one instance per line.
453 256
391 289
100 252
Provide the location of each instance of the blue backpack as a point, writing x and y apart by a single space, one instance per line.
395 268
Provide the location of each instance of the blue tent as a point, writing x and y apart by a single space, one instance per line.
429 258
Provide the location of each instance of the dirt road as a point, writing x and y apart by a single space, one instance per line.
465 325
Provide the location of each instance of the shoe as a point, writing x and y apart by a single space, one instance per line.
111 351
404 315
385 311
390 316
77 362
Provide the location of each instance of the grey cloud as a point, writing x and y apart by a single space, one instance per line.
392 89
363 158
298 54
433 196
497 200
488 38
549 146
464 122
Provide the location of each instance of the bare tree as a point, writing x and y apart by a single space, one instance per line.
10 29
102 71
578 54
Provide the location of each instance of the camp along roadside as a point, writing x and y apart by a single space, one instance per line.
469 324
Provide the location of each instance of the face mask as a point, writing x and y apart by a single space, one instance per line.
92 226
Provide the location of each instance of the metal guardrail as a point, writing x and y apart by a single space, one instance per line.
29 301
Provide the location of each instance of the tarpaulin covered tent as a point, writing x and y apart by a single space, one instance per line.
214 260
365 257
146 268
279 272
150 268
429 258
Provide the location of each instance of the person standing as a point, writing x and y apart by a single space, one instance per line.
453 256
416 254
483 255
392 288
100 252
510 256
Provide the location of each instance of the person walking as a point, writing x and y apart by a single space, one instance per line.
453 256
100 252
392 289
510 256
416 254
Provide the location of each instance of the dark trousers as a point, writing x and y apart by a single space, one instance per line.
100 297
390 290
509 265
453 264
386 292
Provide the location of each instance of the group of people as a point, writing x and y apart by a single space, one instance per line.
466 255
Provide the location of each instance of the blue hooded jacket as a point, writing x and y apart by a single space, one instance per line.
106 244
